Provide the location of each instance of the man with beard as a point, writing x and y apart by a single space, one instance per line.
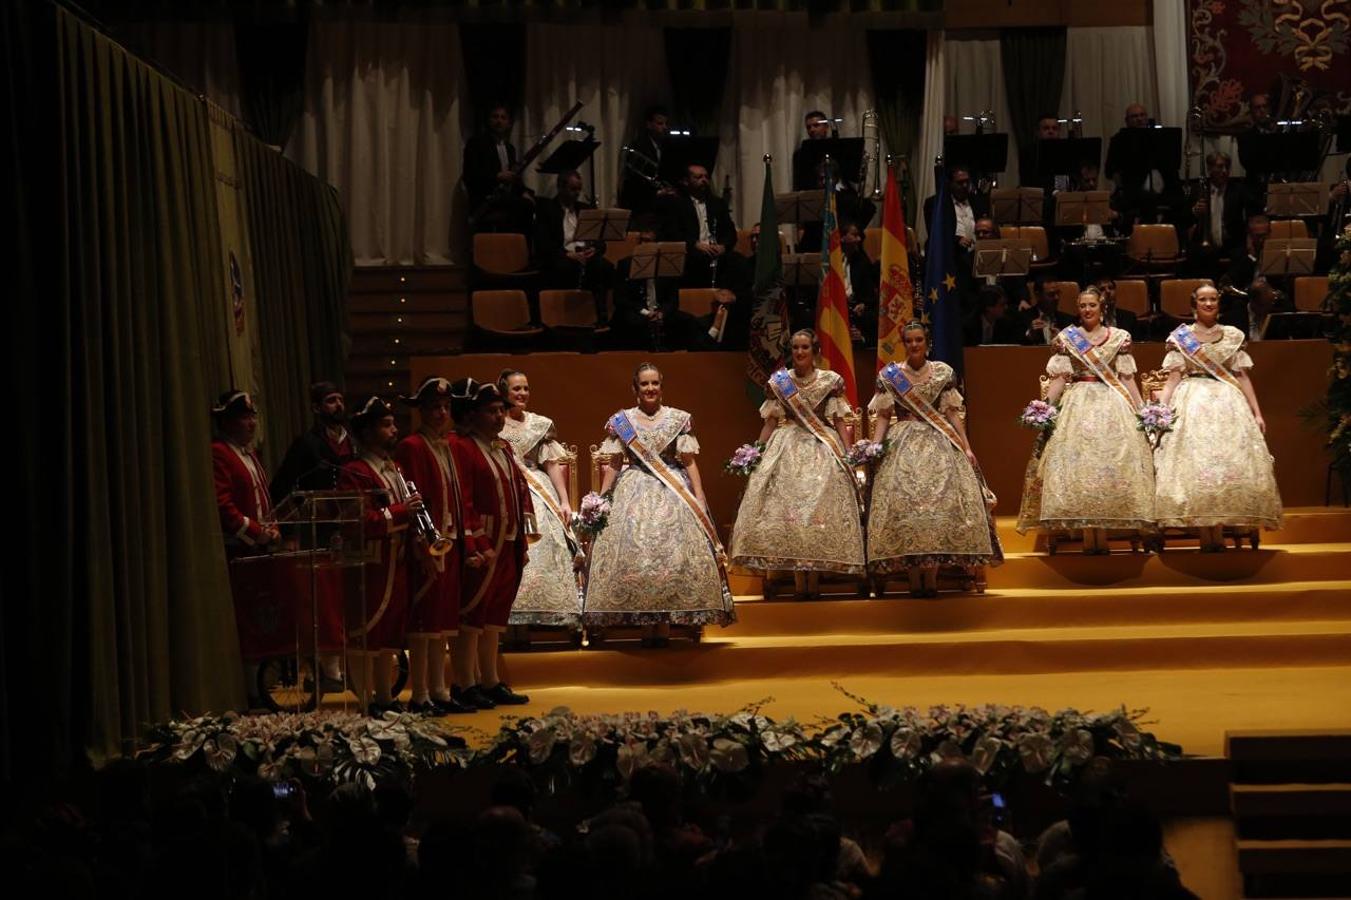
389 510
640 191
494 491
497 197
314 458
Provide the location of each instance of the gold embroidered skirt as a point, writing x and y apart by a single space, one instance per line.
548 594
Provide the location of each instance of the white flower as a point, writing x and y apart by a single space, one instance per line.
221 751
905 743
630 758
540 744
777 741
693 751
364 750
1128 734
729 755
865 741
985 752
582 750
1037 750
1077 745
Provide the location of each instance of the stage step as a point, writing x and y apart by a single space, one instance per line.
1299 525
1181 568
1267 757
1291 811
1023 651
1295 868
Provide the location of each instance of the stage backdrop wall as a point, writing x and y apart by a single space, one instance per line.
580 391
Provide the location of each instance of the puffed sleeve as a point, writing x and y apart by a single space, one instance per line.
951 399
1125 362
882 400
549 449
612 445
1174 359
772 409
1059 365
686 443
837 407
1241 361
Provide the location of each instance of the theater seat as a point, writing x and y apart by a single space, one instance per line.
1175 296
502 314
697 301
501 254
1154 249
1311 291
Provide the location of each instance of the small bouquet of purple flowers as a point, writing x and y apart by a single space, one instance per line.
1039 416
593 515
865 452
745 459
1156 420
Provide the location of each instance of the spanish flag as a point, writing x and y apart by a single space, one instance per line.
832 306
896 298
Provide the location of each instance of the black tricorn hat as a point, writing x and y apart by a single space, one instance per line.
372 411
233 403
432 388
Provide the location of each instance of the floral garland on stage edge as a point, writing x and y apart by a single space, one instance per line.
719 755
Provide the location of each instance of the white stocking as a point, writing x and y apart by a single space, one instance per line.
436 668
466 645
417 665
487 658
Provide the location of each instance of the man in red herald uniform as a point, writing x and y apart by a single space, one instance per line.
434 581
390 508
495 491
241 480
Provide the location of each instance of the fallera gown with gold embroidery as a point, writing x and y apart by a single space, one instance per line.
1214 467
1096 469
927 506
548 594
800 509
653 563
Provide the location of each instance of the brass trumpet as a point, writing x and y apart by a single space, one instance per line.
423 526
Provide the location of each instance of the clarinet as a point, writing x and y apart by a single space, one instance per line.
712 240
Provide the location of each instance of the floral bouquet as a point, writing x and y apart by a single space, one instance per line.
593 515
1039 416
865 452
1156 420
745 459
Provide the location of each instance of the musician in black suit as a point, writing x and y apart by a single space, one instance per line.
1219 217
1247 298
1113 315
648 316
562 261
965 207
640 187
862 280
1142 194
498 201
806 177
992 323
1043 321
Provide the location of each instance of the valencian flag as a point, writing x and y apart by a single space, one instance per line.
942 306
767 348
896 306
832 307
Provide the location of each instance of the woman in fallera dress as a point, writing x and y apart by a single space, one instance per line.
1213 469
1096 471
929 505
548 593
800 512
658 561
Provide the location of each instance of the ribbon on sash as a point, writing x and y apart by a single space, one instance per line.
626 432
902 390
1081 348
1196 351
781 382
537 482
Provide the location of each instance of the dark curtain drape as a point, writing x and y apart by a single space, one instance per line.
896 58
302 263
494 66
696 61
1034 73
271 57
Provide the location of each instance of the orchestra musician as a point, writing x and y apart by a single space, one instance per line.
1143 194
1260 113
639 188
862 278
1013 287
562 261
1040 323
805 174
700 219
497 196
967 207
1219 216
1248 298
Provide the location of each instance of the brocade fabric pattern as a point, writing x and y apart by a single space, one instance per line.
1214 467
653 563
1096 470
927 506
548 594
800 509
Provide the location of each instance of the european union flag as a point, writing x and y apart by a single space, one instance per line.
942 306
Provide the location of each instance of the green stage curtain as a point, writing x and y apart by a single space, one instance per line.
696 59
896 60
494 65
272 74
302 263
1034 73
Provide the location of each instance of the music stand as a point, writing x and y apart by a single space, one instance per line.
1288 256
982 154
801 270
800 206
1017 206
1281 151
1064 156
846 156
679 153
1002 257
601 225
1139 151
569 156
657 260
1296 199
1083 208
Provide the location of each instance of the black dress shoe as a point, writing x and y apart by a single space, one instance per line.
452 707
424 709
503 695
472 696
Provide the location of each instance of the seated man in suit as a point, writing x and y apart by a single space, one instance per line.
1247 297
702 222
648 316
498 201
1115 316
992 324
1219 219
562 261
1040 323
1013 287
862 279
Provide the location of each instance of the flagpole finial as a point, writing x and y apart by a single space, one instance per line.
769 157
938 160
